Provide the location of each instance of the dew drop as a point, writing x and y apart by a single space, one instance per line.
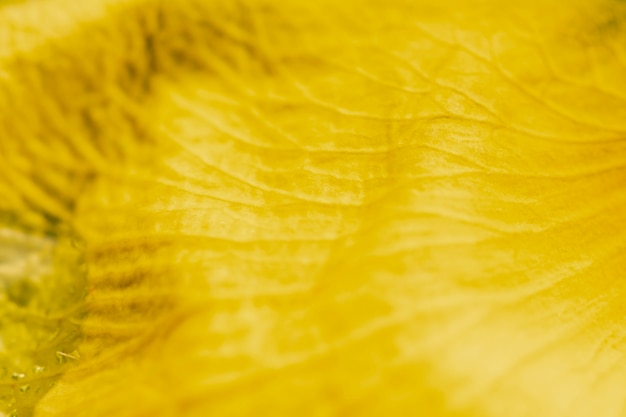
41 275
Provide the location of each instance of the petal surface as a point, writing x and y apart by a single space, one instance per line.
328 208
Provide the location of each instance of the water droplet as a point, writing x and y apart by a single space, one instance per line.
41 275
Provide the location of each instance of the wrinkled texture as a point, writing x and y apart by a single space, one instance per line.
327 208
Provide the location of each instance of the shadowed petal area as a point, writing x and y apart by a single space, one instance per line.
328 208
41 290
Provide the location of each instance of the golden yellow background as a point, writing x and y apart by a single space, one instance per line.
327 208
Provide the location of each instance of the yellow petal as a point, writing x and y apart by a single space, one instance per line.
327 208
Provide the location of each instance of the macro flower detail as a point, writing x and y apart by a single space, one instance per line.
280 208
40 308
